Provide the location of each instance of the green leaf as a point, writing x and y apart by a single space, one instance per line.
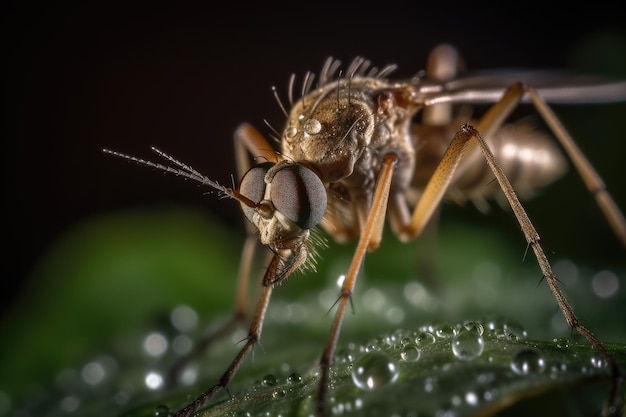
99 328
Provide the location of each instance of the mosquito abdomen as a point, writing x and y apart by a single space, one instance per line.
530 158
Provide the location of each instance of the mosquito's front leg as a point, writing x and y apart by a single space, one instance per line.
248 143
254 335
369 238
237 317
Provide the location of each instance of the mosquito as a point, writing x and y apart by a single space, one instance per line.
352 155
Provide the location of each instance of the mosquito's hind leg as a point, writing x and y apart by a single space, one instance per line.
590 177
532 237
410 227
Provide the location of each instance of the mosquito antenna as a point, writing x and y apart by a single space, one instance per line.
183 170
176 162
280 103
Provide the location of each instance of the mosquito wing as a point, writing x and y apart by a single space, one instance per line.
560 87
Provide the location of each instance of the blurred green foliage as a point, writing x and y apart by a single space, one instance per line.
112 280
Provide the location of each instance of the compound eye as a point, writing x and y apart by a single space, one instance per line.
299 194
252 186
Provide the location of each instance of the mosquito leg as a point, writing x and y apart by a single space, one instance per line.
248 141
590 177
369 237
254 335
532 238
237 317
443 176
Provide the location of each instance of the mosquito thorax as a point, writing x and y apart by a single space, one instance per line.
289 198
331 126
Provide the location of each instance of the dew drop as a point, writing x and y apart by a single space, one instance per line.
312 127
474 326
467 345
270 380
279 393
182 344
294 378
431 384
495 324
471 398
528 361
154 380
93 373
184 318
605 284
373 370
598 362
410 353
424 338
155 344
515 331
445 331
344 356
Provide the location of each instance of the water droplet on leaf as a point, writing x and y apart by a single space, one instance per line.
424 338
445 330
528 361
294 378
269 380
467 345
373 370
410 353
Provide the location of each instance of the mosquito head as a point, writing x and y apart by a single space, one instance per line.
288 196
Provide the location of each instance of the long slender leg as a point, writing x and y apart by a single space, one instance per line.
237 317
254 335
590 177
532 237
369 237
436 189
594 183
248 142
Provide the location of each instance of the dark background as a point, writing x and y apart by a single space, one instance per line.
181 77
